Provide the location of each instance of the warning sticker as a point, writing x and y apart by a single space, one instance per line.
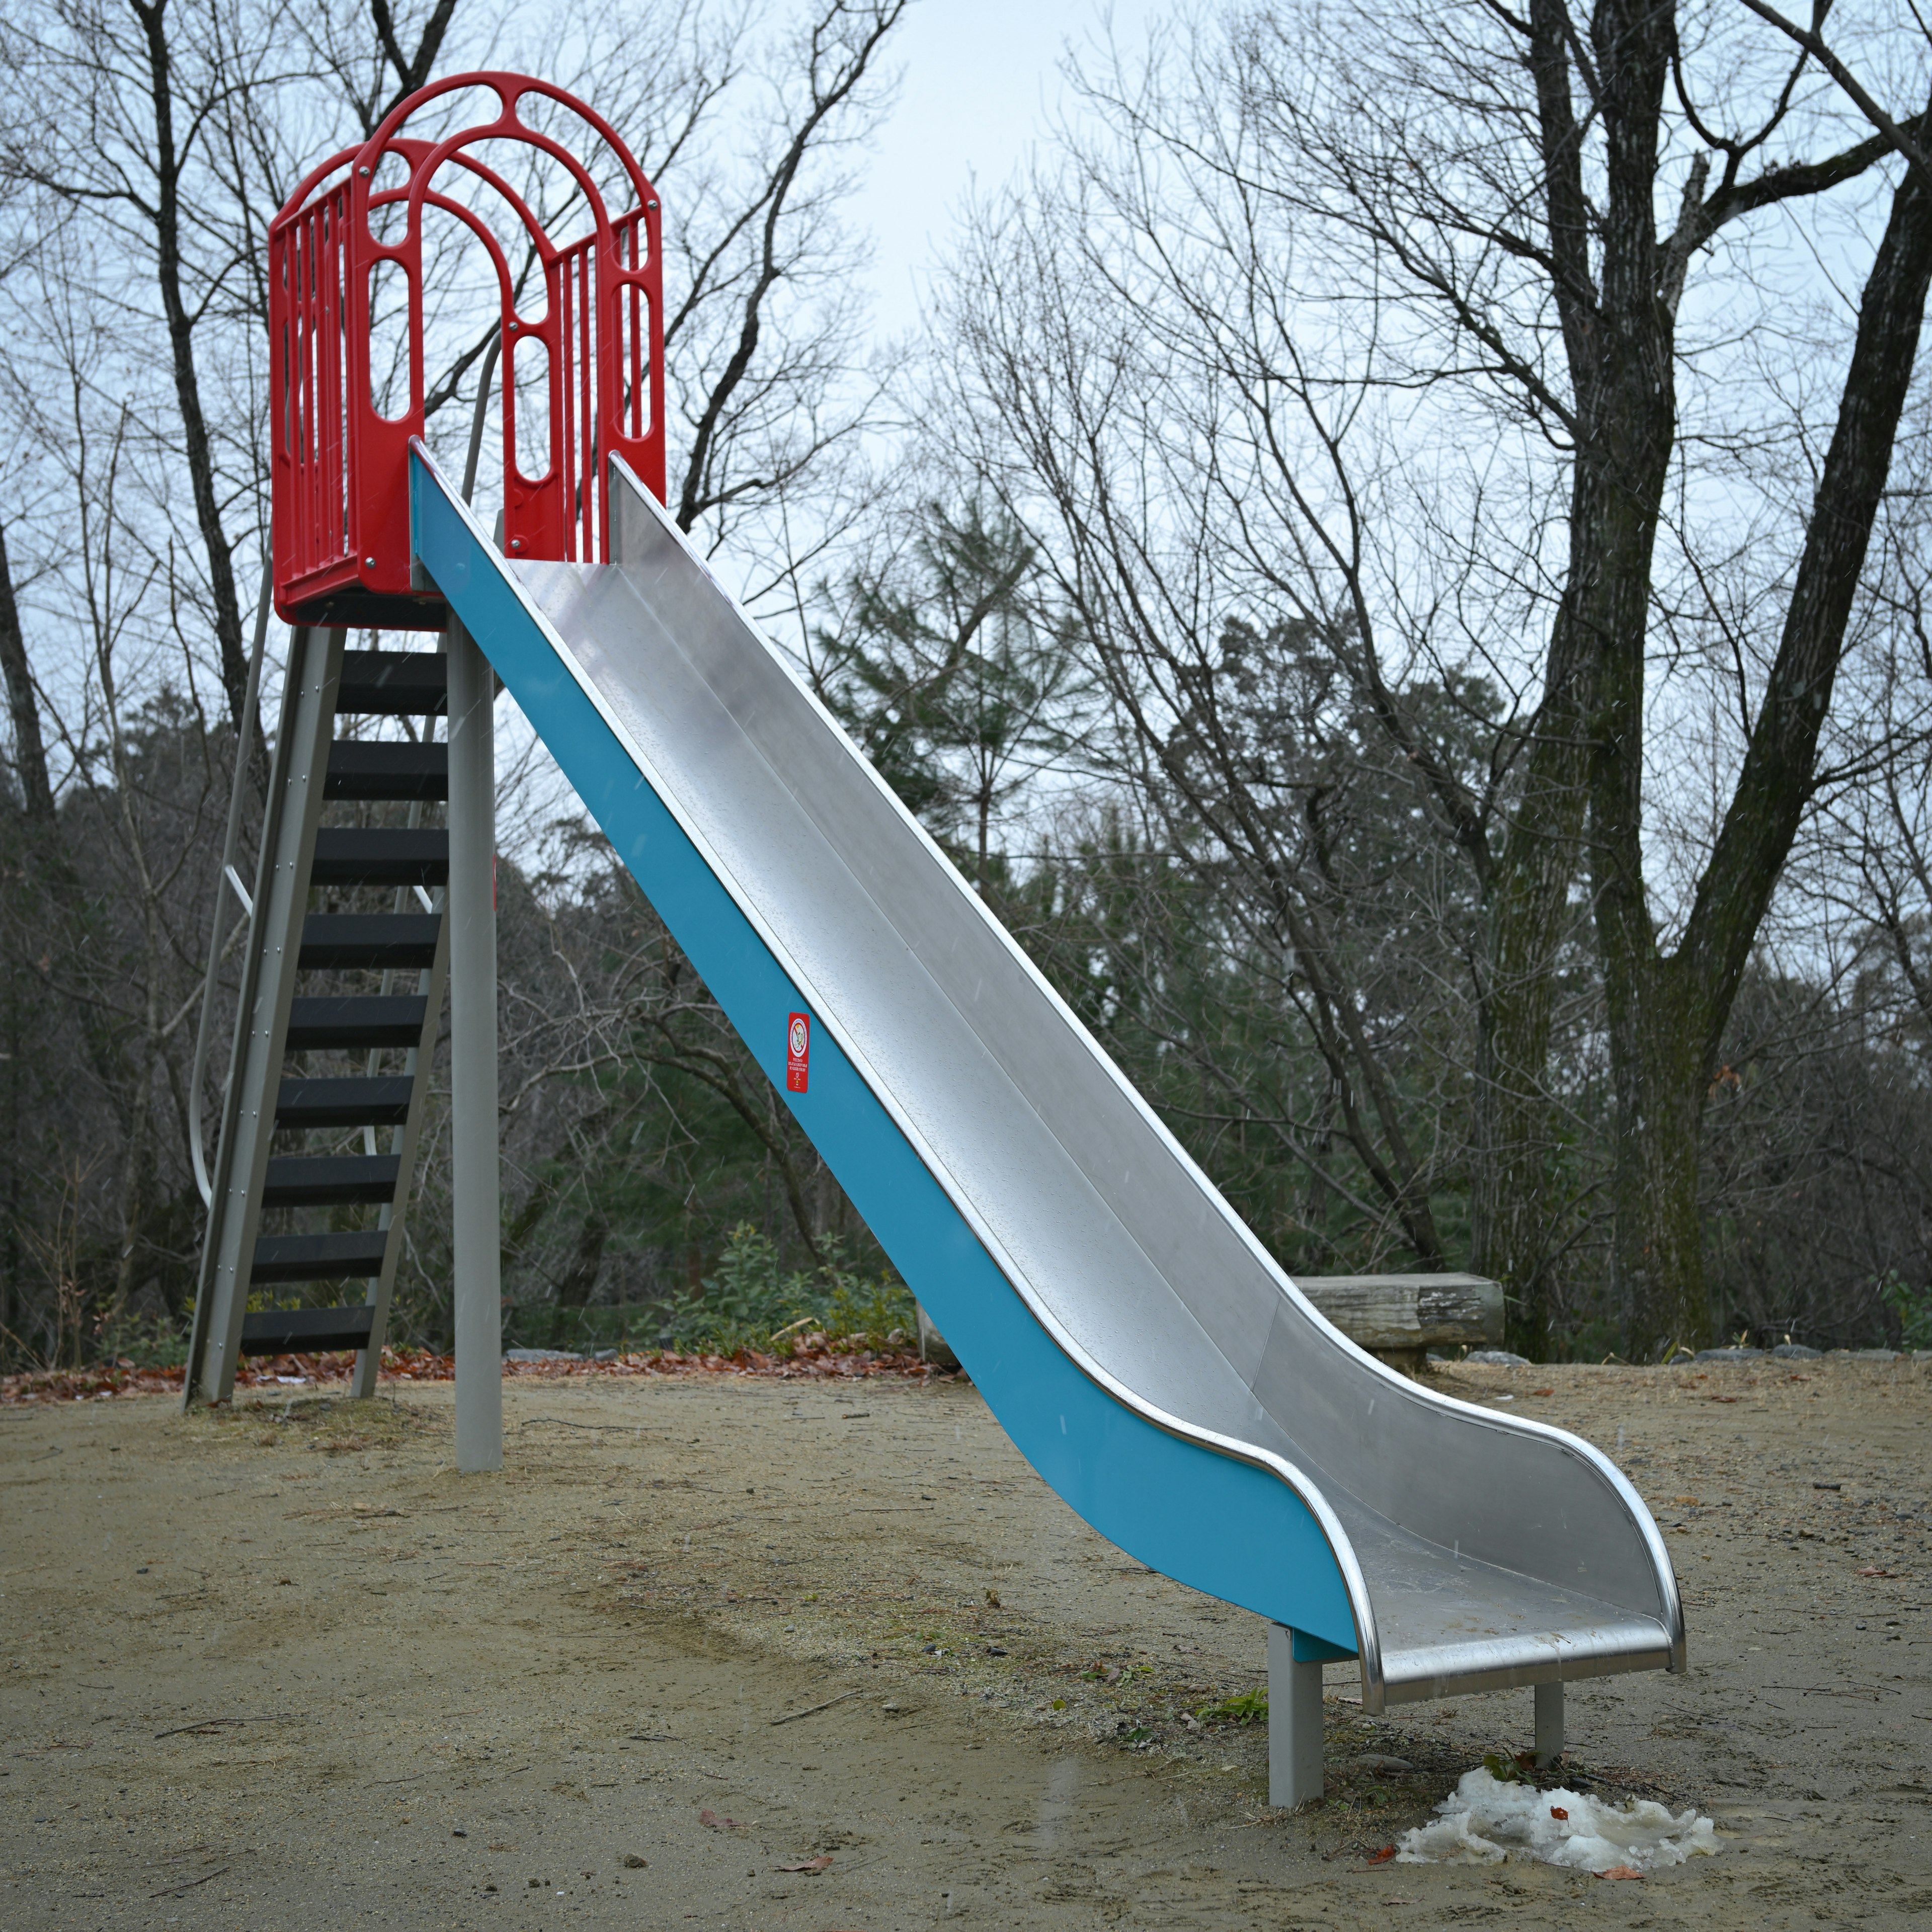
798 1053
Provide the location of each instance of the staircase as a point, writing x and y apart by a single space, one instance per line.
341 999
336 1024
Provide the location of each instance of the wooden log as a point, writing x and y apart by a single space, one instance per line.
1401 1317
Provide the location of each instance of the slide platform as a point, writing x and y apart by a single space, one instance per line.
1141 1348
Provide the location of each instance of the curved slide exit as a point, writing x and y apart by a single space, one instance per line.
1141 1348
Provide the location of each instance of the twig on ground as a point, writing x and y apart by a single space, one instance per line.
208 1723
791 1716
188 1884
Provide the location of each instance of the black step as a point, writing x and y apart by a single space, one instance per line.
331 1180
318 1025
341 941
284 1331
318 1257
393 684
380 855
381 1100
386 768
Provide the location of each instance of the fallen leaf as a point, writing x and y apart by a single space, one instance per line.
1557 1811
1874 1572
822 1863
1715 1398
1621 1871
711 1820
1382 1857
1689 1502
1549 1391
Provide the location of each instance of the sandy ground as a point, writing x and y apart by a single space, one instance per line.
288 1670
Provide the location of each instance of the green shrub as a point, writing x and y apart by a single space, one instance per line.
751 1303
1251 1707
146 1341
1913 1307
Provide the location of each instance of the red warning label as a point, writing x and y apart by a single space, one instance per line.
798 1052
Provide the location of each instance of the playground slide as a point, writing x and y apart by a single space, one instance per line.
1140 1348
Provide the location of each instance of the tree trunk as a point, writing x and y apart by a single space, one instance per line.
1627 411
1657 1057
195 446
1524 906
1509 1220
579 1281
139 1186
1668 1015
1617 340
30 756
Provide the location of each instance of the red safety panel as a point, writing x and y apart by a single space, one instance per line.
798 1053
341 467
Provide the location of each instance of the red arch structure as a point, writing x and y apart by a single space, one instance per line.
340 474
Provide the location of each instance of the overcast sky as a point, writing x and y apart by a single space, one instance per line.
981 77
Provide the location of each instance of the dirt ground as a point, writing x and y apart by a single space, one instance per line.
289 1669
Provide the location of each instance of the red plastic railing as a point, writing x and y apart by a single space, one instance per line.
341 465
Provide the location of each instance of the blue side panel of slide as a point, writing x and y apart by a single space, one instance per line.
1220 1524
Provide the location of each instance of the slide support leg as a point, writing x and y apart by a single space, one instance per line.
472 1055
1295 1724
1549 1724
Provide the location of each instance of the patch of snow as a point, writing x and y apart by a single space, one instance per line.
1483 1822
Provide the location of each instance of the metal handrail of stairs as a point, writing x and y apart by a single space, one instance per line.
219 948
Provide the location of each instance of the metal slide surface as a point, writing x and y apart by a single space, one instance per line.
1135 1339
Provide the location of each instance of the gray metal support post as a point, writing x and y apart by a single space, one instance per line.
472 918
1295 1724
296 786
1549 1724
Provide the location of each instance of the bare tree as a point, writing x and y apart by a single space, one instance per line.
144 151
1811 38
114 109
112 935
1415 364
